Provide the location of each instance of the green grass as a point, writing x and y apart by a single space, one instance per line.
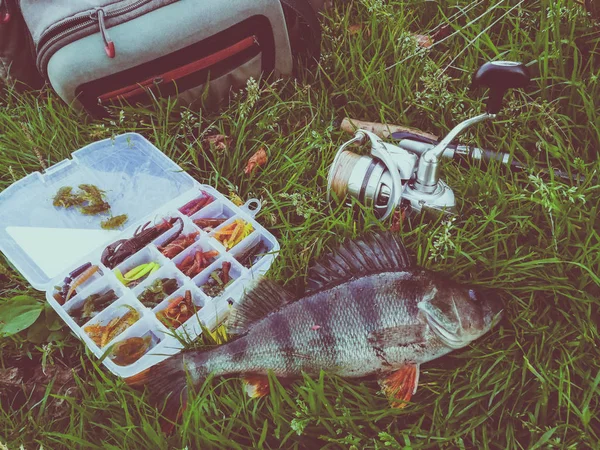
533 382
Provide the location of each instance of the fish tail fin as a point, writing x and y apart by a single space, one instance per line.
167 383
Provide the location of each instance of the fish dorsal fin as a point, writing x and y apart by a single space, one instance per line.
372 253
264 298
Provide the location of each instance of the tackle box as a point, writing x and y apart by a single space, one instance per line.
45 244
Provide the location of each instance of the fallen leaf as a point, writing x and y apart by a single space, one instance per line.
259 159
218 141
395 227
236 199
354 29
358 28
11 377
423 41
397 218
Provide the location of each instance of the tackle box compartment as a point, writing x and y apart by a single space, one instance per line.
46 243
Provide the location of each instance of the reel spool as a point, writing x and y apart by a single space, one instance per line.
375 180
363 178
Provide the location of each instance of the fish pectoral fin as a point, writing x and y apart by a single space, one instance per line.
401 384
256 385
397 336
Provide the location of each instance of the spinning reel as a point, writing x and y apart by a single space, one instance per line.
408 173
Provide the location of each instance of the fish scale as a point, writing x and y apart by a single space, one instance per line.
366 311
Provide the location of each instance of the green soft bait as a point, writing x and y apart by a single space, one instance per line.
137 273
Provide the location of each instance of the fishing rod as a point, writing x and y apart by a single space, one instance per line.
407 172
466 155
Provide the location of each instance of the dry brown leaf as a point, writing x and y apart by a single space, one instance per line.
396 221
11 377
219 141
398 218
423 41
358 28
259 159
354 29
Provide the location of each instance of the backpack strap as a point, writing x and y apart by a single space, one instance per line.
304 28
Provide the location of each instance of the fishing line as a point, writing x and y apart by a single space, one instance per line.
453 34
485 30
460 13
497 5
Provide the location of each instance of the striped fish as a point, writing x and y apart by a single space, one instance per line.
366 311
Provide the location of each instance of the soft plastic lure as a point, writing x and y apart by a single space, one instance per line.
180 309
194 263
128 351
137 274
218 280
80 280
178 245
197 204
103 334
234 233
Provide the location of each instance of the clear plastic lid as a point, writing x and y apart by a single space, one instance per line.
42 240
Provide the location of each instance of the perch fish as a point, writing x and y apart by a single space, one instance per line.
366 312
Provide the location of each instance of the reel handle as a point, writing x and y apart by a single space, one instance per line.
499 77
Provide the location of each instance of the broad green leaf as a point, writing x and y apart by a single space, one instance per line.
53 320
57 335
38 333
18 313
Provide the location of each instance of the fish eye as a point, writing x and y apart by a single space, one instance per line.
473 295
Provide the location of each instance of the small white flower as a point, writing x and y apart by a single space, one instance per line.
443 241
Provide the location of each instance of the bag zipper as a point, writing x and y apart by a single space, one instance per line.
129 91
57 32
178 73
5 11
109 45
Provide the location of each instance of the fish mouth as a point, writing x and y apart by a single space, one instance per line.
449 338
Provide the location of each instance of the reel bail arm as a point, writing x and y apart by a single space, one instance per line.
427 176
499 77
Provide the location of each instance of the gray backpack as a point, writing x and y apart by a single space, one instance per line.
97 53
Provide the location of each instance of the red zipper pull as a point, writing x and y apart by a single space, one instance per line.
109 48
5 15
109 45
